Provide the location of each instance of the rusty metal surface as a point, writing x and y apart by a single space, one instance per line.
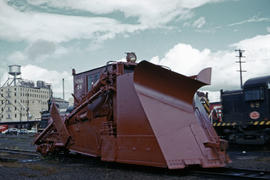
147 116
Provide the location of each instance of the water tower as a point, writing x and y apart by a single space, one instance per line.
15 71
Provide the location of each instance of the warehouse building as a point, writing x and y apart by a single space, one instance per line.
22 101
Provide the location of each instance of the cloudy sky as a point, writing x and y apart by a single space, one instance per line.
50 37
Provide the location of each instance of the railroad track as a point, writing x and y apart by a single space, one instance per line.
230 173
17 151
235 173
15 155
216 172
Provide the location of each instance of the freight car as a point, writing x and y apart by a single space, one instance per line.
139 114
246 113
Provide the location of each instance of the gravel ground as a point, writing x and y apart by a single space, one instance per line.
250 157
20 142
81 167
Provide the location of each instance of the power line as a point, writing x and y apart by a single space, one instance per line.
240 56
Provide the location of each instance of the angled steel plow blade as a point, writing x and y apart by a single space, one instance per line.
181 128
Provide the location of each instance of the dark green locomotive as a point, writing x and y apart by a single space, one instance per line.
246 113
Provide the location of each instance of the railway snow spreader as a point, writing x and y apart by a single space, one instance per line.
136 113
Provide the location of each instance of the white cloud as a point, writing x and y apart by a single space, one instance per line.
256 43
257 52
268 29
186 24
32 25
35 73
150 11
199 23
182 57
16 57
185 59
253 19
40 48
185 15
37 51
214 96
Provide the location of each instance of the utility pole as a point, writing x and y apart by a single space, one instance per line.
63 80
240 56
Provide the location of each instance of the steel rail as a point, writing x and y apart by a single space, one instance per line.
235 173
17 151
222 172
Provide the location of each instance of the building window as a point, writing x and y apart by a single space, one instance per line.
15 94
15 115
